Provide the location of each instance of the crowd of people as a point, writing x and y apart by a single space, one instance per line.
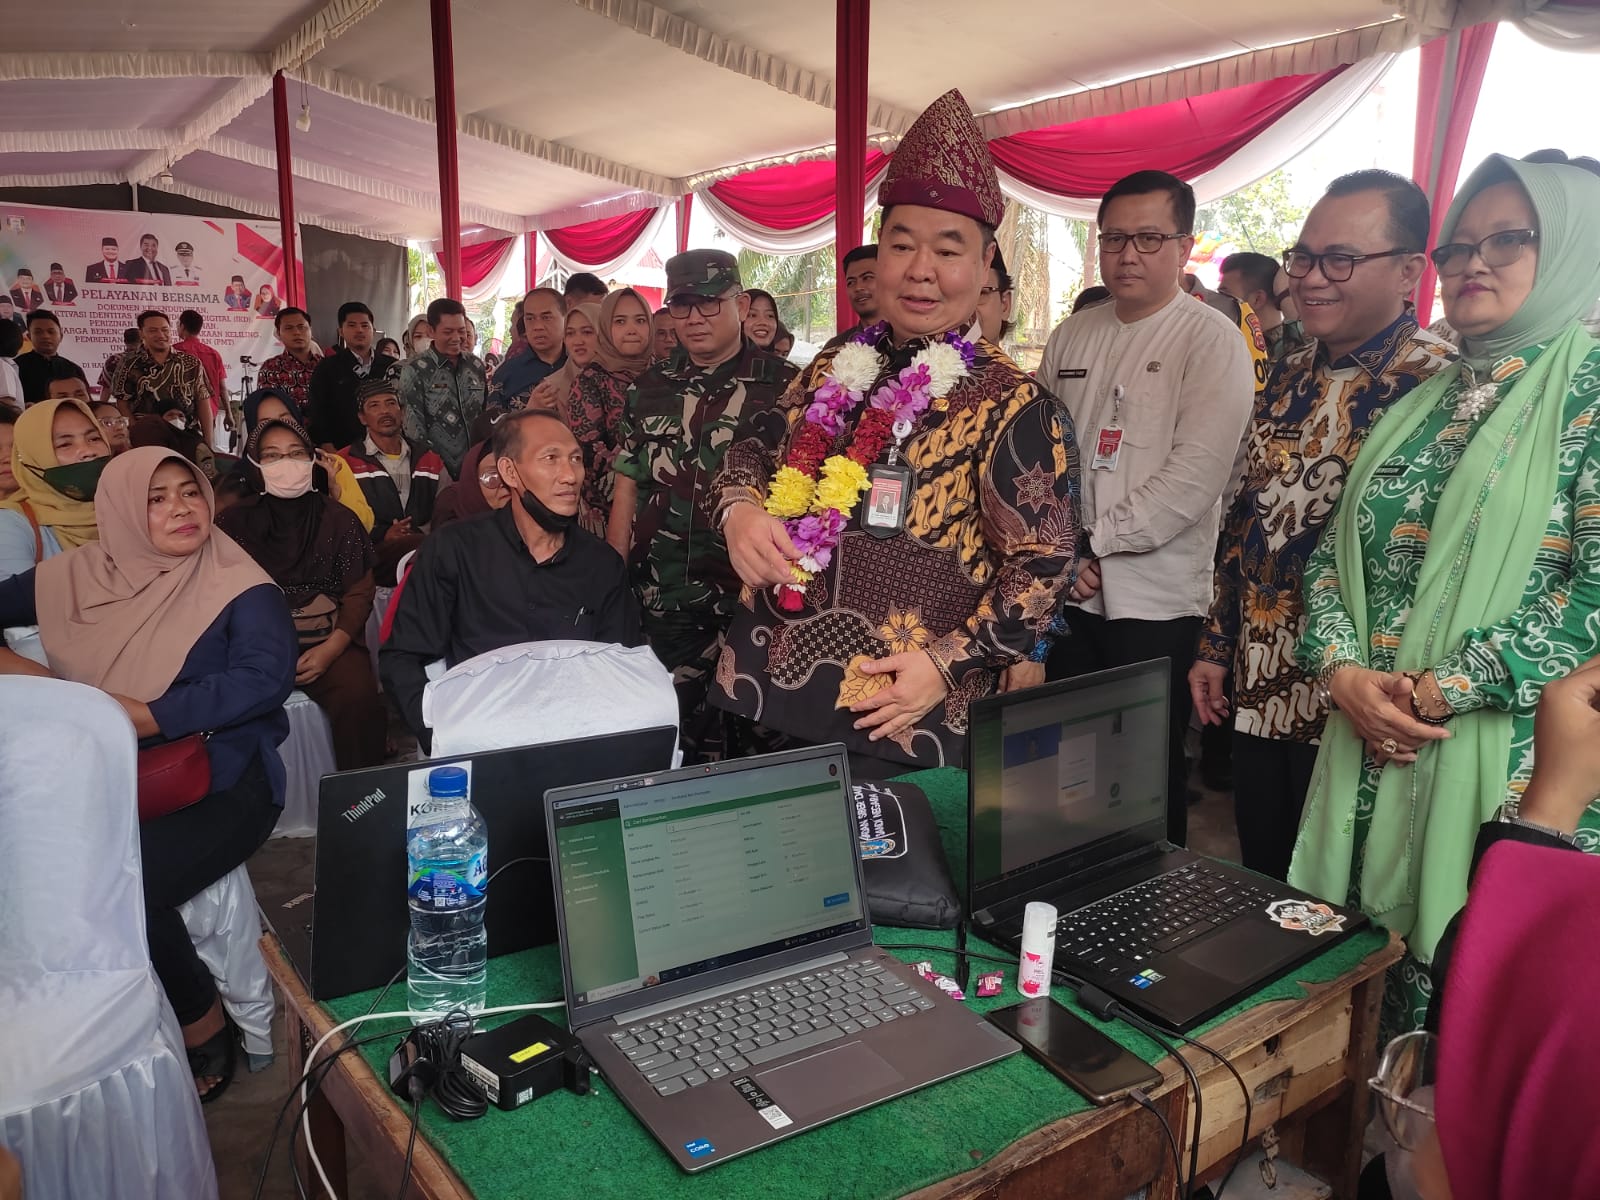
1364 550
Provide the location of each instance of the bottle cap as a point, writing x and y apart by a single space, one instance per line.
447 781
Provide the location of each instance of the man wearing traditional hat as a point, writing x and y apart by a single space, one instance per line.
906 519
58 288
681 416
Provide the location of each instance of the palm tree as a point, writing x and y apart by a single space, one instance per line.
802 285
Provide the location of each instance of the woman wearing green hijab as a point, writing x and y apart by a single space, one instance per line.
1461 572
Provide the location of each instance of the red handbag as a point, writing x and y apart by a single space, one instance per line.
173 775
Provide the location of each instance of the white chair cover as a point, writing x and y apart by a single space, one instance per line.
547 692
96 1098
380 605
307 756
24 640
225 926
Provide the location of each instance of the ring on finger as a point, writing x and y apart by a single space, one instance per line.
1389 746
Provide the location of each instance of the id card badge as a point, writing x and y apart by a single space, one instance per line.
1107 448
888 497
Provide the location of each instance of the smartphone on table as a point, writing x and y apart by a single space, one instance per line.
1074 1050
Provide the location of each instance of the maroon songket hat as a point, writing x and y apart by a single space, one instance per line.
943 162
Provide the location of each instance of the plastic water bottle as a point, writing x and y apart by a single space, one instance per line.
447 953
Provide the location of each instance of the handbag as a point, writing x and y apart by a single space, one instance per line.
314 620
173 775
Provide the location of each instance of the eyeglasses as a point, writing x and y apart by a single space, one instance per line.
1335 268
706 306
990 291
114 422
276 456
491 480
1404 1087
1145 242
1497 250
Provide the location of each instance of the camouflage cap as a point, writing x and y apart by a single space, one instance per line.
701 273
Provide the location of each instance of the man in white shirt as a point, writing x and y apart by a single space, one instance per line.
1160 389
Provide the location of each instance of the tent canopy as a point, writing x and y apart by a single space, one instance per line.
569 112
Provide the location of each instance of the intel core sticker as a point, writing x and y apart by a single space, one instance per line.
762 1103
699 1148
1305 916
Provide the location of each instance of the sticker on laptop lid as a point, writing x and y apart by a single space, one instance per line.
762 1103
1305 916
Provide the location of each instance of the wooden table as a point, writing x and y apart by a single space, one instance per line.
1306 1062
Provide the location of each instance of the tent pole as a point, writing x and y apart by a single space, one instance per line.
285 165
685 206
850 141
444 109
530 250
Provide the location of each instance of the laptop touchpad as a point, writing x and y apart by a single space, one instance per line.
828 1080
1235 954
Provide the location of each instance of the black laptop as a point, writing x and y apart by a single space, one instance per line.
351 933
1067 803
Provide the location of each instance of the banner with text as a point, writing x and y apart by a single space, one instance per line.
97 271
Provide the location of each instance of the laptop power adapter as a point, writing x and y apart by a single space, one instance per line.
524 1060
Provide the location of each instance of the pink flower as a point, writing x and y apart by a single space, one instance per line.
816 535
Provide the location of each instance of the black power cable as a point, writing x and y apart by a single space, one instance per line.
1144 1101
1186 1190
411 1146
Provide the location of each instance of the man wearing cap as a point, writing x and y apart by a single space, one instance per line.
107 270
145 268
187 274
58 289
25 293
399 477
681 416
906 519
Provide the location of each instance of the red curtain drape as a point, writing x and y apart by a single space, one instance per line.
1185 137
685 207
478 262
600 241
1450 78
791 195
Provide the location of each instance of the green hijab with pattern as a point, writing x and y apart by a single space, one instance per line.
1482 541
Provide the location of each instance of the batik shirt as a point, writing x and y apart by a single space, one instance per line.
149 387
288 373
678 424
1308 428
1504 665
988 548
595 408
441 402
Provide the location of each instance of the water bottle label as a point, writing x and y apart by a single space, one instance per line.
443 890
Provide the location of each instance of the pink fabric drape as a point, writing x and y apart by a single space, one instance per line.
790 195
480 261
601 241
1450 79
1185 137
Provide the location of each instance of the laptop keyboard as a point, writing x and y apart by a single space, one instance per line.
1156 916
685 1049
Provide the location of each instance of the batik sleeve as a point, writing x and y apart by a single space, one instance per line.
1220 637
1028 489
1330 633
753 455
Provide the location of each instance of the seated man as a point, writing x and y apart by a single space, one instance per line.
524 573
399 477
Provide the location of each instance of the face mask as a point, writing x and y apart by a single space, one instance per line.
287 479
75 481
178 422
550 522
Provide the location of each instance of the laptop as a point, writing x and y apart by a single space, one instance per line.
1067 803
718 960
350 933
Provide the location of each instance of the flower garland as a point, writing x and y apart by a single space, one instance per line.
814 492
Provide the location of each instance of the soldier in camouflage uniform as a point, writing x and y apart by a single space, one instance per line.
680 419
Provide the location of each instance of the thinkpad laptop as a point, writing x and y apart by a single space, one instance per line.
718 957
1067 803
350 935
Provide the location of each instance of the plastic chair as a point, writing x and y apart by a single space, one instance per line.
96 1097
307 756
225 926
539 692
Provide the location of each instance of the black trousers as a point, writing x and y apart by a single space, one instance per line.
1096 644
185 852
1270 781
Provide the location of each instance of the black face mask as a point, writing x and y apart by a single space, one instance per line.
550 522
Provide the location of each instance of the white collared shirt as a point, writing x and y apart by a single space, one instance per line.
1187 388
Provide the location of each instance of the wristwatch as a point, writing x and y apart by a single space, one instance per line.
1507 814
1325 679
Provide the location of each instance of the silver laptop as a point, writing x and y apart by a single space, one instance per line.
718 960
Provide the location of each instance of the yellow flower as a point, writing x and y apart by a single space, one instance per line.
843 481
801 575
789 494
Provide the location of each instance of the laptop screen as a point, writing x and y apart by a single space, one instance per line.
1064 771
664 881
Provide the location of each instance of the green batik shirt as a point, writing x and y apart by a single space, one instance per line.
441 403
1504 665
678 424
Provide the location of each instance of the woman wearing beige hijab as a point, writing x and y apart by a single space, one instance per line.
190 636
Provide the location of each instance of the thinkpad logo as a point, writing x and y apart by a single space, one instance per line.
356 811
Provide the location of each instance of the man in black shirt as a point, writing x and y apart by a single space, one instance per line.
524 573
40 365
331 407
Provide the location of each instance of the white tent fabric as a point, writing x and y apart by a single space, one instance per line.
1564 27
96 1097
1308 121
702 87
